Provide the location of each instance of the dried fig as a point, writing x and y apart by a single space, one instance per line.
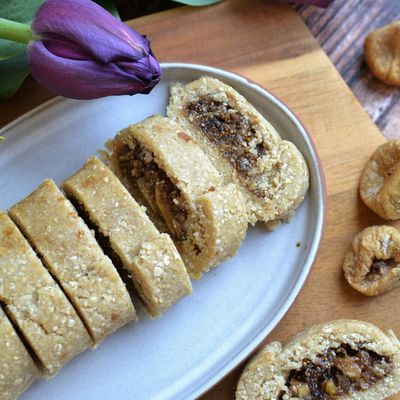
382 53
373 265
380 181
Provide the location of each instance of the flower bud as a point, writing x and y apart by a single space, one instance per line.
83 52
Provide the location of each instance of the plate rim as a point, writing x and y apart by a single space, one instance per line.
314 249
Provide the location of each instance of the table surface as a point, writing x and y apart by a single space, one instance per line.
333 117
341 30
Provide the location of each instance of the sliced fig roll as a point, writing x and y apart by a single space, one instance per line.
17 369
271 173
338 360
180 185
35 303
70 252
127 234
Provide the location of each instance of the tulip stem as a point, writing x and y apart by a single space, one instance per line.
15 31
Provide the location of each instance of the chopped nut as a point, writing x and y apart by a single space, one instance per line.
299 389
349 366
184 136
337 372
330 388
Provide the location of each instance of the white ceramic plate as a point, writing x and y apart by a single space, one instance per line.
232 309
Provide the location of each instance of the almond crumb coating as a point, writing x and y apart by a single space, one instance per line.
271 173
206 219
157 270
17 369
337 360
36 304
71 253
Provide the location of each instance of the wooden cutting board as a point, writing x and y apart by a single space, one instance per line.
270 44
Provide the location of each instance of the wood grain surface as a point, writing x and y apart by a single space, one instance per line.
270 44
341 30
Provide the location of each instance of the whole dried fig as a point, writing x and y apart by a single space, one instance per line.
382 53
373 265
380 181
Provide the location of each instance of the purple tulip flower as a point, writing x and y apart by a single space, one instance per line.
83 52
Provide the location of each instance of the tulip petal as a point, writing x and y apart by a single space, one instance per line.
90 27
66 49
83 52
89 79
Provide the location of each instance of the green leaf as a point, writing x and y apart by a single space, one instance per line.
13 71
197 3
10 49
19 11
13 68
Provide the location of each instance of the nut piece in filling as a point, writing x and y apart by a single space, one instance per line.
36 304
380 181
373 265
206 219
17 369
150 258
233 134
337 372
382 53
342 359
271 173
70 252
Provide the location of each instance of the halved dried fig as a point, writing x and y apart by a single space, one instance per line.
380 181
382 53
373 265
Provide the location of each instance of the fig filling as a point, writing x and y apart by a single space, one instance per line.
158 190
380 268
337 372
232 133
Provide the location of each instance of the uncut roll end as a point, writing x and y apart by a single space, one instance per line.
246 149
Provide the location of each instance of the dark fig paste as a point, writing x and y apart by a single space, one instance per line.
138 163
232 133
337 372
